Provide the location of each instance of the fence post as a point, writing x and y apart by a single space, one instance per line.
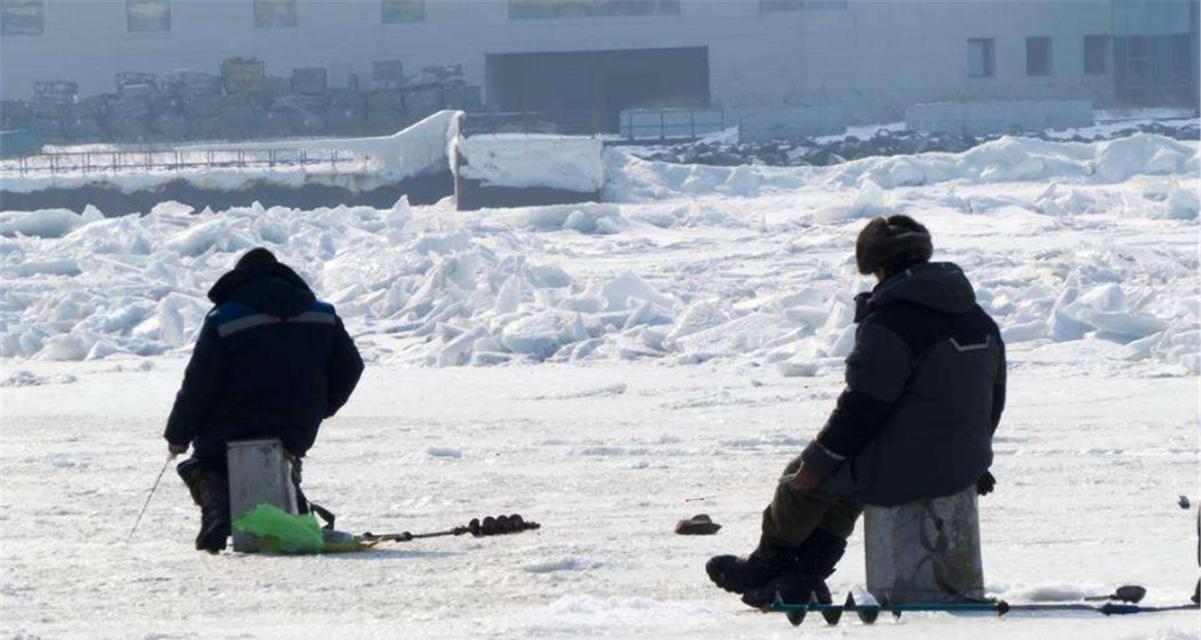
692 123
662 131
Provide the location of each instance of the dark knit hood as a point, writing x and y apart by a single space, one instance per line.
941 286
262 283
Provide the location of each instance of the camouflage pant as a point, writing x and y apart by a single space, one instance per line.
793 515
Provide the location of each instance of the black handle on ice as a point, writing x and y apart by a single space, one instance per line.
489 526
1131 593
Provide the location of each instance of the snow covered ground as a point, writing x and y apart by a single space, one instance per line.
637 362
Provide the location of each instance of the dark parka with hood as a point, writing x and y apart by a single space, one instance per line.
271 361
925 391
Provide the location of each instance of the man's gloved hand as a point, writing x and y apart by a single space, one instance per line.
176 449
986 484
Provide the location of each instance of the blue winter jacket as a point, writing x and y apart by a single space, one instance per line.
272 361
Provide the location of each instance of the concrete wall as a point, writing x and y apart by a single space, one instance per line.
983 118
874 58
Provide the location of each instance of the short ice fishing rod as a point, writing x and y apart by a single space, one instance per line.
153 488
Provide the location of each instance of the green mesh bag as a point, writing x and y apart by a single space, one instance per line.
281 532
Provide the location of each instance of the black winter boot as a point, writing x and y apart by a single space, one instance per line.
806 578
766 563
193 478
215 525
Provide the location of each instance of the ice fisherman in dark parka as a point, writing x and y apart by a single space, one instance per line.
271 361
925 388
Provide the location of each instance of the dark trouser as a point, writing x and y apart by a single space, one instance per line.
207 478
218 467
794 515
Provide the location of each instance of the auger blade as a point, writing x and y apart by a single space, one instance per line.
867 613
831 614
795 615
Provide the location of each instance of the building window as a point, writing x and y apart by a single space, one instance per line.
398 11
147 15
387 74
270 14
22 17
798 5
1138 56
980 59
1096 55
528 9
1038 56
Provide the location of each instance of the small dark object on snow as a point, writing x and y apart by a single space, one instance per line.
698 525
1131 593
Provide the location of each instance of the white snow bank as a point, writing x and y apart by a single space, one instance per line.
363 163
572 163
30 379
1008 159
48 223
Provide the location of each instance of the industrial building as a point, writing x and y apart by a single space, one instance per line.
587 60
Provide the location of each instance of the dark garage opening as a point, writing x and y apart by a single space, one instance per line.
587 90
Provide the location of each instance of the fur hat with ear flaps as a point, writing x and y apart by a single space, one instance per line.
892 244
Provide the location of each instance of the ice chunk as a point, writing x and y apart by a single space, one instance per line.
65 347
538 336
698 316
46 223
797 369
619 291
1183 204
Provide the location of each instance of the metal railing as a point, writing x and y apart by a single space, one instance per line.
628 126
149 160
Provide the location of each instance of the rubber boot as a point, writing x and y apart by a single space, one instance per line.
215 525
767 562
806 578
192 475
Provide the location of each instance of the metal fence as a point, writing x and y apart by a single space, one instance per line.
148 160
629 126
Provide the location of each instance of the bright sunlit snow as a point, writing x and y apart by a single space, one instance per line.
607 369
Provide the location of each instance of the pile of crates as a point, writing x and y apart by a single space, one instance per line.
240 102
